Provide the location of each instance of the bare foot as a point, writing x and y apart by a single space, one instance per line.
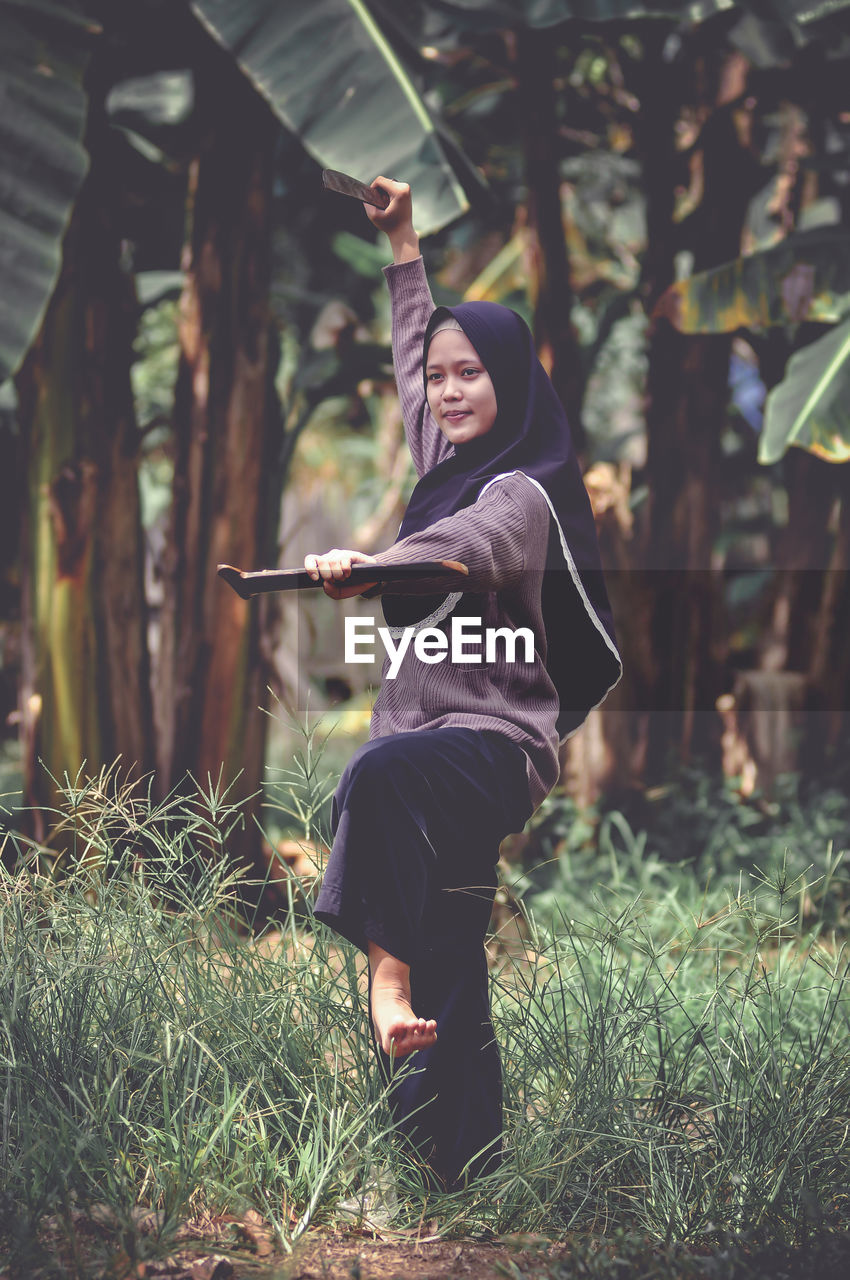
397 1028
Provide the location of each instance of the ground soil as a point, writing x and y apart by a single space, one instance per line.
350 1258
244 1249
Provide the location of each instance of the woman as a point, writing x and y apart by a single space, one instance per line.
461 752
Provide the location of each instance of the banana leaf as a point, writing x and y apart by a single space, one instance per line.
807 12
329 74
504 274
798 14
805 277
811 405
548 13
157 100
44 50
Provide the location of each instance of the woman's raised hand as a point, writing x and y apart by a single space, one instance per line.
334 567
397 219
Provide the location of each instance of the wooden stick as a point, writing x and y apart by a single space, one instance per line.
333 180
247 584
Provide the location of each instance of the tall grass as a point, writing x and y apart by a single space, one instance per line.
153 1051
676 1059
677 1075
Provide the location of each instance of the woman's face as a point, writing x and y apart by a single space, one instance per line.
460 394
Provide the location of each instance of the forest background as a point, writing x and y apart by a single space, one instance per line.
195 368
194 341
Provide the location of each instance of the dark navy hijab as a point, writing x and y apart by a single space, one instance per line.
531 435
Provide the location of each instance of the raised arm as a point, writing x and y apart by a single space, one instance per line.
412 305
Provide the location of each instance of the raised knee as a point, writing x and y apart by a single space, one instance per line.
368 769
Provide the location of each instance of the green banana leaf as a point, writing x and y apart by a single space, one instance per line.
811 405
504 274
804 277
807 12
44 49
546 13
331 77
156 100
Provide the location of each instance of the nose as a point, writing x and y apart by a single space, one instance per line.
451 389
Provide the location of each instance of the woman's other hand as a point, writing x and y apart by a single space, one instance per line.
334 567
396 220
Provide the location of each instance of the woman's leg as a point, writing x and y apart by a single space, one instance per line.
398 1031
448 1101
418 818
415 814
383 858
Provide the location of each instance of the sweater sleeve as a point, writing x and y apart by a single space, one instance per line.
491 538
411 303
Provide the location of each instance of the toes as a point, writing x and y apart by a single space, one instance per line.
405 1033
407 1039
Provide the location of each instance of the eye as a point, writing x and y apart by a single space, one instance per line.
432 377
470 370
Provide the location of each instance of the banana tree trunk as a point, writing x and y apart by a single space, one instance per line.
829 667
211 676
687 399
86 681
536 68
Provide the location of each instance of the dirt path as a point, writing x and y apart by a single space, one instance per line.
226 1247
352 1258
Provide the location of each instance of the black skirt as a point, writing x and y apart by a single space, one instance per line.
418 818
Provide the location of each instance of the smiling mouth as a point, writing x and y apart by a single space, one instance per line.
454 415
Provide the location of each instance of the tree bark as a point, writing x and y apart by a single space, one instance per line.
829 666
687 398
210 677
802 555
86 682
536 67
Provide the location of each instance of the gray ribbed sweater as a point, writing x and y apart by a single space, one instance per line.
502 539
